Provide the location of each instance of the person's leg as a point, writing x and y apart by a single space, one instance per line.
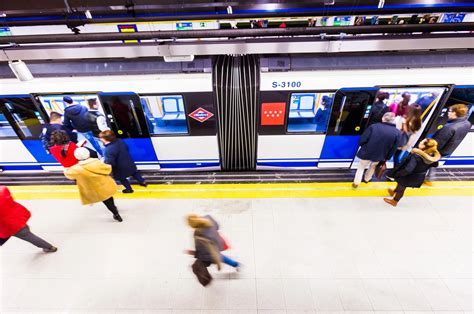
360 171
370 172
28 236
227 260
399 191
126 184
137 175
109 203
90 137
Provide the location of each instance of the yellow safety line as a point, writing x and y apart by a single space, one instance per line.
262 190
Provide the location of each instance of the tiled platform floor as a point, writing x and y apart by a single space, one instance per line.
319 255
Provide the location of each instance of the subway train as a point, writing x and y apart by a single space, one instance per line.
304 120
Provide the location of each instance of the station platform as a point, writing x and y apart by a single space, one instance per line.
304 247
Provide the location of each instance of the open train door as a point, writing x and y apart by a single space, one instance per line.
349 114
127 119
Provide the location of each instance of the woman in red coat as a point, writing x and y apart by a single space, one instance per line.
62 148
13 219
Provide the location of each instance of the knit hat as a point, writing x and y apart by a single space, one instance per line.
81 153
195 221
68 99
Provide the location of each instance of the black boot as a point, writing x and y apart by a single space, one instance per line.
118 217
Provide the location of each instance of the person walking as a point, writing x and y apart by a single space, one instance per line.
13 222
93 180
412 171
76 117
208 246
411 125
55 124
63 149
378 143
401 107
116 154
379 108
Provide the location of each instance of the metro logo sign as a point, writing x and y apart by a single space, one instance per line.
273 113
201 114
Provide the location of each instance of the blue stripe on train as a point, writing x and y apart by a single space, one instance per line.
340 147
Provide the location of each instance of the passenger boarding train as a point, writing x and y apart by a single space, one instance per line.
305 120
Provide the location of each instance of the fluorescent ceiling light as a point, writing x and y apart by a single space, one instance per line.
187 58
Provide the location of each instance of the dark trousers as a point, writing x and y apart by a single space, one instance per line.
28 236
399 191
111 205
137 177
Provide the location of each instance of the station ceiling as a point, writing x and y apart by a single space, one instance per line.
119 7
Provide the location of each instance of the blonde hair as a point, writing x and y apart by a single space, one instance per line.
195 221
459 109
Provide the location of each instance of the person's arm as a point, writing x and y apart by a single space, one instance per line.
110 157
102 123
45 140
67 123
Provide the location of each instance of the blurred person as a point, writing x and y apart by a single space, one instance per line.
117 155
412 172
400 108
426 100
208 246
62 149
411 126
77 117
13 222
93 180
55 123
379 108
322 115
97 122
378 143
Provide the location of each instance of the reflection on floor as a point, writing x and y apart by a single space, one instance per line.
306 255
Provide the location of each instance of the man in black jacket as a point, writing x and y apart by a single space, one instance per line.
454 131
378 143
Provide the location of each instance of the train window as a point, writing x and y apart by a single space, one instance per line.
309 112
56 103
350 112
23 116
165 114
5 128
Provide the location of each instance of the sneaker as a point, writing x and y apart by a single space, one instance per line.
118 218
355 186
238 268
144 184
127 191
50 250
365 181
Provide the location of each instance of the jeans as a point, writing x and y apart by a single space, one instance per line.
227 260
360 171
137 177
111 205
94 142
28 236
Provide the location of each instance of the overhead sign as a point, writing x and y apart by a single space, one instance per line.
5 31
184 26
128 28
201 114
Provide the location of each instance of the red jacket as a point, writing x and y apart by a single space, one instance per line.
67 161
13 216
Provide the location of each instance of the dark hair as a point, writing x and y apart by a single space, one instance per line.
414 118
59 137
383 95
54 115
108 135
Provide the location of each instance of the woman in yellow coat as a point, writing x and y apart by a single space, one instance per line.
93 180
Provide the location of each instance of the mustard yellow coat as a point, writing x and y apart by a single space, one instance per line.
93 180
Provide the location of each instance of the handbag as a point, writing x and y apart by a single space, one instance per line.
225 244
380 169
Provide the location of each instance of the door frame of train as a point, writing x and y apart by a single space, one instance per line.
339 150
42 160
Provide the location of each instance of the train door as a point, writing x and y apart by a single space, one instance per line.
349 115
127 119
183 130
423 101
20 129
463 156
